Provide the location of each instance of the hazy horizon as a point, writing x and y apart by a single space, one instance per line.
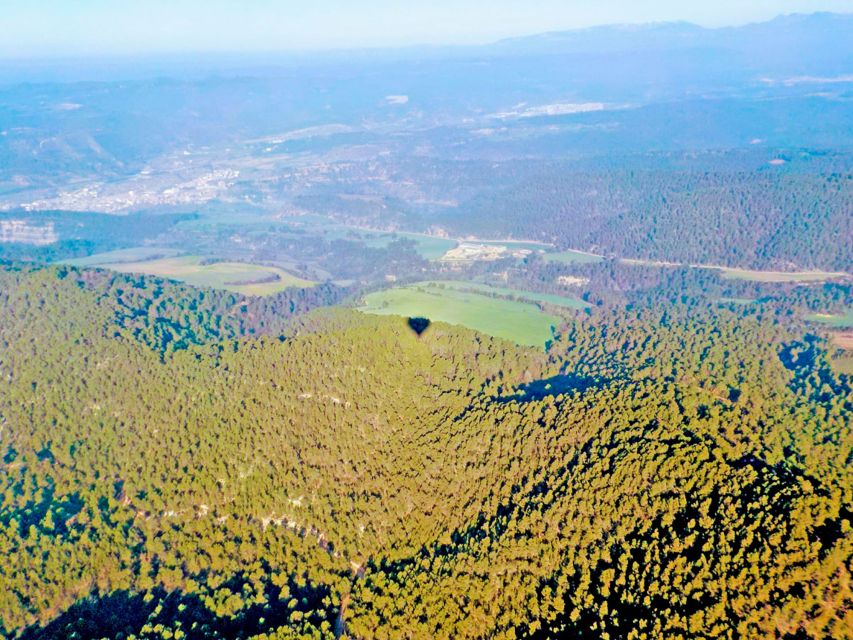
92 29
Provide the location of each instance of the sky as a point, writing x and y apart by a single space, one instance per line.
97 27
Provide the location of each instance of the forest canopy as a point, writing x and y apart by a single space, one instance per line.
204 470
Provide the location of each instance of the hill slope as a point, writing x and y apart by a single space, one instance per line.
355 480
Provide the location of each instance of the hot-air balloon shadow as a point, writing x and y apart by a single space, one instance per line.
418 325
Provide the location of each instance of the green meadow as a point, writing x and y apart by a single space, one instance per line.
838 320
466 304
518 294
134 254
240 277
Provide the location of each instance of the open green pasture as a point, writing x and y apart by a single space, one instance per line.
837 320
518 294
248 279
520 322
133 254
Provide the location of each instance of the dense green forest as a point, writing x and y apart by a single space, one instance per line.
182 463
769 218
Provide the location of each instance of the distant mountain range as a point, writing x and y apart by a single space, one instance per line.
814 28
795 42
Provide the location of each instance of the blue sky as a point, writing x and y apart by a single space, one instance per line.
57 27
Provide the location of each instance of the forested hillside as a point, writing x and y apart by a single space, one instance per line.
759 219
178 463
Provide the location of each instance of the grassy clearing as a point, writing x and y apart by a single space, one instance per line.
519 322
778 276
134 254
573 257
838 321
248 279
519 294
737 301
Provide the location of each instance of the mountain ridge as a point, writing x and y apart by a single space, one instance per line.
628 36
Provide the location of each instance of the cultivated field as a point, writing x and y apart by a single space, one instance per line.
521 322
517 294
573 257
134 254
248 279
839 320
778 276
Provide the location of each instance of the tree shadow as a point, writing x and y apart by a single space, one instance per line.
123 613
111 616
554 386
